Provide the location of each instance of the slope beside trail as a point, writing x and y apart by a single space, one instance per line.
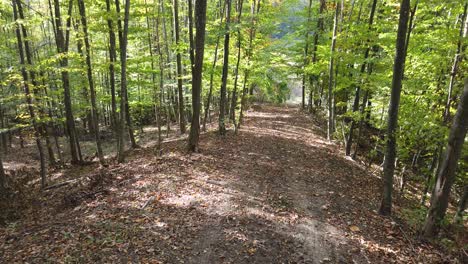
278 192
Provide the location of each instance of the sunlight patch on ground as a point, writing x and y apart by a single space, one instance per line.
315 142
266 115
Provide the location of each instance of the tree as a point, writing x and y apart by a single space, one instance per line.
398 70
89 71
180 88
349 140
446 176
62 41
331 104
222 101
199 46
306 54
232 115
215 60
123 37
22 41
112 62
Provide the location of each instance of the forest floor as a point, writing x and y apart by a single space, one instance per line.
278 192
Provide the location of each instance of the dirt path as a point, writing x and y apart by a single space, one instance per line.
276 193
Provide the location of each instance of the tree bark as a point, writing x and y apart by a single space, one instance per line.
306 54
200 23
22 39
210 91
2 176
236 72
222 101
123 34
190 29
398 70
254 11
446 176
458 219
349 141
331 114
180 87
62 42
89 70
113 60
456 61
316 39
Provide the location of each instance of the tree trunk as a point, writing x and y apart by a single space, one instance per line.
458 219
446 176
180 87
22 39
456 62
62 48
398 69
2 176
254 11
349 140
236 72
190 29
316 39
331 114
306 54
222 102
200 23
210 92
123 33
94 109
113 60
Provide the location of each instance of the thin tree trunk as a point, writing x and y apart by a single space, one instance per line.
314 51
458 219
222 102
113 59
331 114
446 176
306 54
180 88
62 42
190 27
236 72
456 61
433 171
398 70
94 109
21 35
254 11
200 23
2 176
349 141
210 91
123 33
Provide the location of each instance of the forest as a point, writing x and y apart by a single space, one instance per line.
233 131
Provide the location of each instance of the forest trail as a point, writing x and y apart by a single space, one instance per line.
276 193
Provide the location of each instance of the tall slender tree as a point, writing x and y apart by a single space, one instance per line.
22 41
222 101
180 88
92 91
331 73
446 176
199 46
113 60
392 123
123 37
234 97
62 41
349 140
